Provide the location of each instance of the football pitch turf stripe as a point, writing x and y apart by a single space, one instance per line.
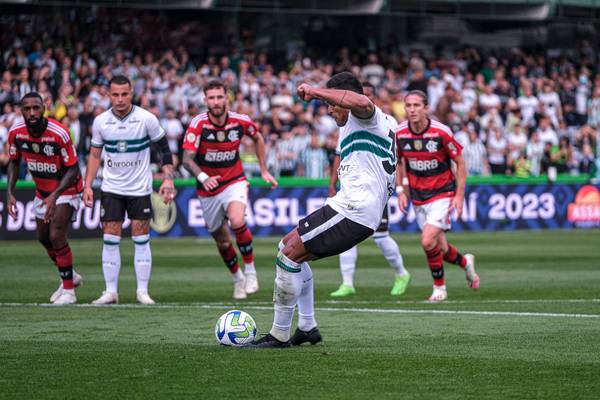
322 309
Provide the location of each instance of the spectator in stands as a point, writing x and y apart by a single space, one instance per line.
475 155
497 148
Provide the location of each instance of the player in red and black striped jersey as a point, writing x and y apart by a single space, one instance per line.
45 146
211 154
427 151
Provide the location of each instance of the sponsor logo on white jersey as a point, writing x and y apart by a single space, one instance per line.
123 164
423 165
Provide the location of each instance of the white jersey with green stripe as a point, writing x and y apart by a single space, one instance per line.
126 144
367 172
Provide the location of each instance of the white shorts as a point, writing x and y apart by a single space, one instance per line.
437 213
74 200
214 208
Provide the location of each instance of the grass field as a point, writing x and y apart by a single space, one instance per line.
532 331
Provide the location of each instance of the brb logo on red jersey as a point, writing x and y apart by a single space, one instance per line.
217 156
38 166
423 165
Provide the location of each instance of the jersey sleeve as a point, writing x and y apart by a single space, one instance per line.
369 122
153 128
399 152
67 151
250 128
453 148
191 140
14 153
97 140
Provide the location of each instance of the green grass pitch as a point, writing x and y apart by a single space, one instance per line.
531 332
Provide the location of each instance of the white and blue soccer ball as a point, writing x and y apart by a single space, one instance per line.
235 328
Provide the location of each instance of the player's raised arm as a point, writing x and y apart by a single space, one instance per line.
358 104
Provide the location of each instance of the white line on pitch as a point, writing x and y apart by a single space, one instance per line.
324 309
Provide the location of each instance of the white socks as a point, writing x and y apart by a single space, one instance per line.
348 266
391 252
306 305
288 285
249 268
111 262
142 261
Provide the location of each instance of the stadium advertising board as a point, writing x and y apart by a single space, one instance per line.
275 212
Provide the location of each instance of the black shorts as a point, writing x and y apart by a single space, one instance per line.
113 207
326 233
384 225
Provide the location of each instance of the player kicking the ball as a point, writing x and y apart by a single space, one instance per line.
367 175
427 148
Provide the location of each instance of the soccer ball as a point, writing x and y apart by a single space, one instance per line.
235 328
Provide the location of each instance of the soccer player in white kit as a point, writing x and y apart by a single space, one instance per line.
367 174
125 132
382 237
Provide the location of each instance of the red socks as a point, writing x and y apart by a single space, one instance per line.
230 257
243 237
64 262
454 257
435 261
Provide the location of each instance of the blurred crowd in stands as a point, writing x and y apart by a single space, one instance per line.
516 112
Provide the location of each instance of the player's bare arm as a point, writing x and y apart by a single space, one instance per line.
358 104
68 180
461 179
91 170
333 177
167 188
13 174
209 182
402 188
259 145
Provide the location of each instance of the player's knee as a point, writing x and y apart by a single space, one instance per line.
428 242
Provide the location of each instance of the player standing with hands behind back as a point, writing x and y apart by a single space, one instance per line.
211 154
427 148
125 132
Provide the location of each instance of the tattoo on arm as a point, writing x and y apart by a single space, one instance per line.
189 164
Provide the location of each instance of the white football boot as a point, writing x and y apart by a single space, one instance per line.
239 289
107 298
439 294
77 281
144 298
251 283
472 277
67 296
